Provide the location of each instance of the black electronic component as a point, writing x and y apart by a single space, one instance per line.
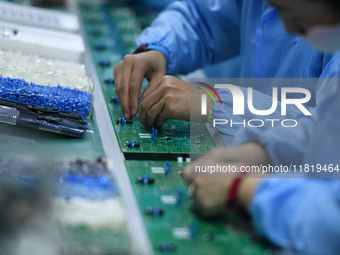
124 121
154 211
133 144
110 81
145 180
100 47
115 100
104 63
166 247
168 138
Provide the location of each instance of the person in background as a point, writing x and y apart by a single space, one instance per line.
195 33
299 214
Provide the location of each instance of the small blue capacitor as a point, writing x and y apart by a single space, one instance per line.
114 100
110 81
193 229
166 172
166 247
168 164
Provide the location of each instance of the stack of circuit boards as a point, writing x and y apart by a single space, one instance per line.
154 159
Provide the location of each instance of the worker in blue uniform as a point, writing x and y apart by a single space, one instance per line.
195 33
299 214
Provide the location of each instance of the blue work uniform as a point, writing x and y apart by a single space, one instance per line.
304 214
298 214
198 33
193 34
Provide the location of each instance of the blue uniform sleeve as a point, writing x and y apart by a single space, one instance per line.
299 214
196 33
289 145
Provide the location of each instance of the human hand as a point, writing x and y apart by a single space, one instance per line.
129 74
210 194
171 98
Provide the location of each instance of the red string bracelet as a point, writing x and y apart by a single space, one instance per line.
232 195
141 48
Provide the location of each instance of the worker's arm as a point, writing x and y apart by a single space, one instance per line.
187 35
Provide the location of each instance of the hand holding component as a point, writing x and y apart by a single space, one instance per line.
171 98
129 75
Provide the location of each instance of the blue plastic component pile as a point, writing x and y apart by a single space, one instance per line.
59 98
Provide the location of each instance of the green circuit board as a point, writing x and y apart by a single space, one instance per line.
111 32
228 235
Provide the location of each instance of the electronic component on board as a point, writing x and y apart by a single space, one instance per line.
154 134
166 247
110 81
104 63
124 121
193 229
133 144
114 100
145 180
154 211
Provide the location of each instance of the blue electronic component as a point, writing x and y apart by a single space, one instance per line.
168 164
154 134
154 211
88 187
166 247
167 168
193 229
58 98
145 180
179 196
104 63
114 100
123 121
110 81
133 144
